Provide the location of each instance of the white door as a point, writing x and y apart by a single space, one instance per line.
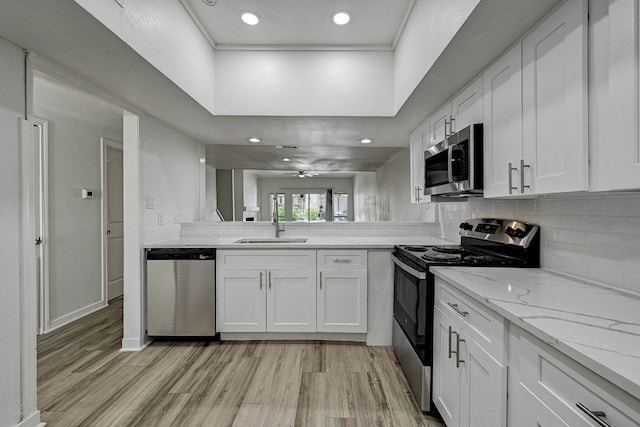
40 159
115 222
483 391
417 162
502 84
446 377
240 301
291 301
342 301
554 87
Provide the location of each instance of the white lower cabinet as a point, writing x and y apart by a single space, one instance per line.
288 291
274 291
547 388
469 384
342 291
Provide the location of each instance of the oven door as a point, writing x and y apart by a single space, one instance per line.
413 305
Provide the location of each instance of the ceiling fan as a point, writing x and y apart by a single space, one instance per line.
304 174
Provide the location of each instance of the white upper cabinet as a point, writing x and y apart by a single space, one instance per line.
418 143
467 107
440 124
535 102
554 88
502 142
617 146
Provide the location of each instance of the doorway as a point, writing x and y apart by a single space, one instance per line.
113 218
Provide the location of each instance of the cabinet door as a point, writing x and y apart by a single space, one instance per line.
483 391
342 301
446 379
554 129
440 125
240 301
502 85
467 106
619 154
417 163
291 301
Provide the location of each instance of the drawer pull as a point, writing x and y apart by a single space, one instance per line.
594 415
457 310
342 261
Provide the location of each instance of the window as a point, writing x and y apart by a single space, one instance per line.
281 206
340 207
308 207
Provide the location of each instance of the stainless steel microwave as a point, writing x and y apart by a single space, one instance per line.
453 167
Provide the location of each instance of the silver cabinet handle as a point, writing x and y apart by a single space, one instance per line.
261 280
269 273
457 310
511 187
342 261
445 128
458 341
321 280
522 166
450 348
451 127
594 415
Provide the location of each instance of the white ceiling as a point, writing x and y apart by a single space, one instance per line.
302 24
74 46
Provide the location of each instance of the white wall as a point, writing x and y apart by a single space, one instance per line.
296 83
12 107
430 28
171 175
393 201
77 121
365 189
162 32
211 195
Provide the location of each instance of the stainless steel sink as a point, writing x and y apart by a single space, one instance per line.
273 240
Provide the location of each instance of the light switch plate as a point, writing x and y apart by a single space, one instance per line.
150 202
160 219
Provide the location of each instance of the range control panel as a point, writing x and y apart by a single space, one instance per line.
506 231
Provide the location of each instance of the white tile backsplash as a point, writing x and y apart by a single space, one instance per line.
593 237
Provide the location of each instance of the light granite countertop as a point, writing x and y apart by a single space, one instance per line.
313 242
597 326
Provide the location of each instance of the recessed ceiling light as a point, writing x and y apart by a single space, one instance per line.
254 140
341 18
286 159
250 18
366 141
210 2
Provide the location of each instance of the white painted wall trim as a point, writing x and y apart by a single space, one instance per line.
32 420
135 337
75 315
287 336
43 305
104 144
28 278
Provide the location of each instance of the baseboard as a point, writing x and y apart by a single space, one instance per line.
134 344
32 420
285 336
75 315
115 289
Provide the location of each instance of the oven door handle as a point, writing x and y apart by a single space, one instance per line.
415 273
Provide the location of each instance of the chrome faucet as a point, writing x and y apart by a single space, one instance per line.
275 216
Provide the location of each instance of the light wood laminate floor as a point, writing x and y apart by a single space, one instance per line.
84 380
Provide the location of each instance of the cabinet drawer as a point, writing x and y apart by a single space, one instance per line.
342 259
486 327
561 383
266 259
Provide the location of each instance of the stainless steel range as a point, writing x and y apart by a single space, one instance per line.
484 242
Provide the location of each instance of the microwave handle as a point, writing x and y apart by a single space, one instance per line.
450 163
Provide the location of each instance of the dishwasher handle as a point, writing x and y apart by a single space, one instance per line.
197 254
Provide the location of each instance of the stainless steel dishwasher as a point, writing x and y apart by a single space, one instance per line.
181 292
